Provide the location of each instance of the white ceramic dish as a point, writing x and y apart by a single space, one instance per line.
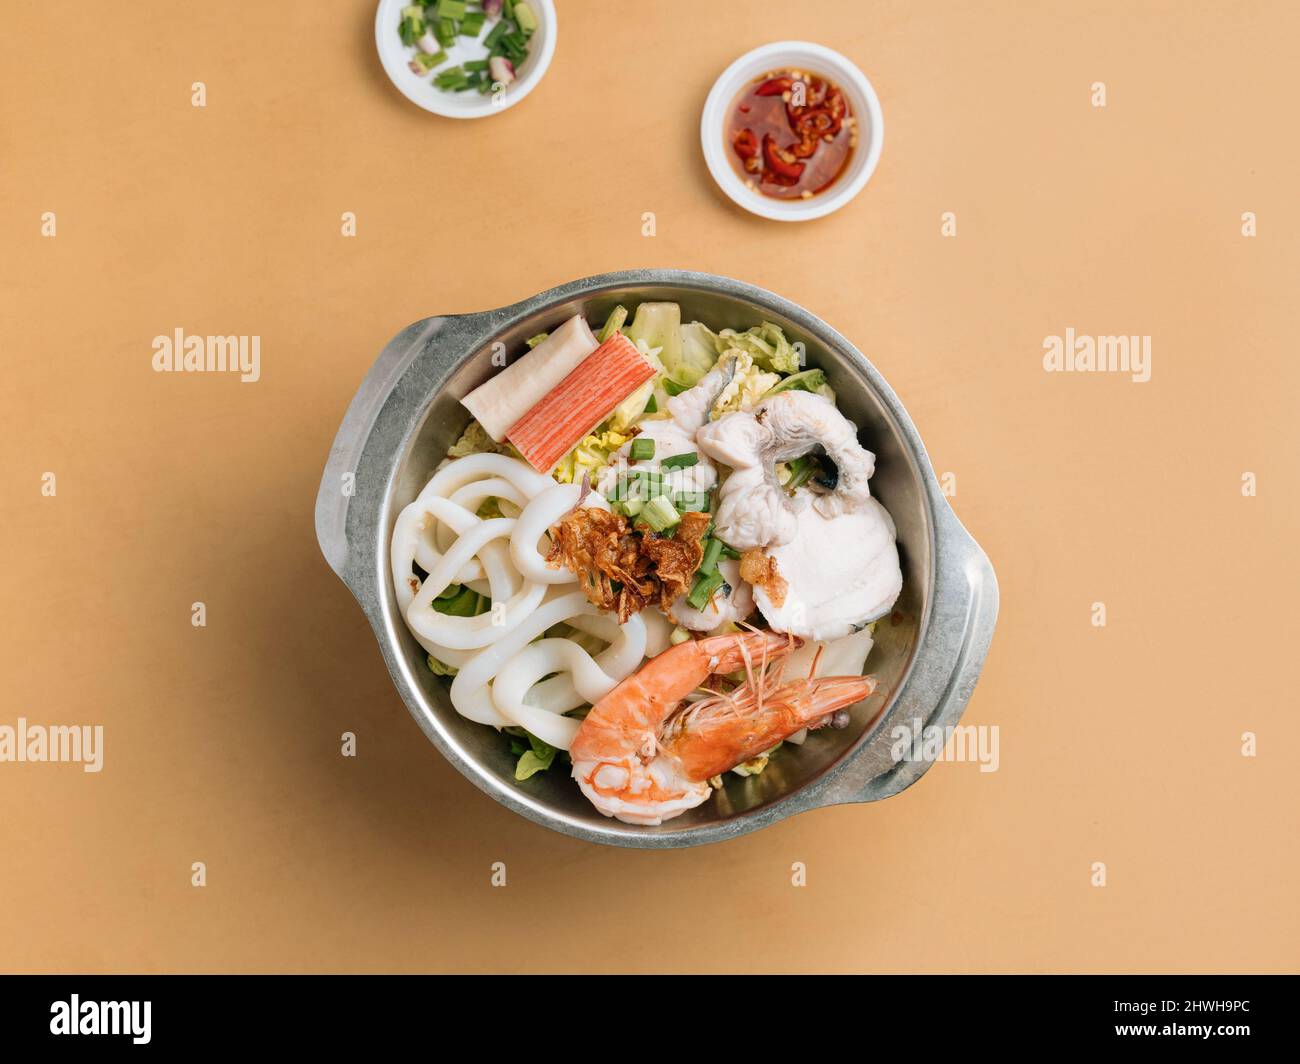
816 59
395 57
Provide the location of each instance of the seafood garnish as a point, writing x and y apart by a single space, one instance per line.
641 757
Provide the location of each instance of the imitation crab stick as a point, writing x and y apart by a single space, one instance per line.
507 396
580 402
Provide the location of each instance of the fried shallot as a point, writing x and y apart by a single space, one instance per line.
760 570
622 570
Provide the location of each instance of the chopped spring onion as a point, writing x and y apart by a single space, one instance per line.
514 46
632 507
532 341
525 17
445 31
692 500
730 552
652 405
428 62
431 25
639 484
801 470
680 461
495 34
672 387
410 29
659 513
453 78
712 552
613 323
642 449
704 588
481 64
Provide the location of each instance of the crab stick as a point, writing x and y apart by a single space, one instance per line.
580 402
507 396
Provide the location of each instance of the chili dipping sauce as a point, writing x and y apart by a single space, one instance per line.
790 134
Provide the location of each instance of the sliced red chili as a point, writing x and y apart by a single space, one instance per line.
806 148
817 123
781 163
746 144
772 178
773 87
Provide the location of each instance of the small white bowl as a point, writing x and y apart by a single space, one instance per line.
419 89
815 59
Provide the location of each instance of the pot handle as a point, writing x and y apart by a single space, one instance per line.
948 662
396 389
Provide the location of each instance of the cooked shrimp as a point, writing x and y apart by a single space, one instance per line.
715 735
616 756
639 756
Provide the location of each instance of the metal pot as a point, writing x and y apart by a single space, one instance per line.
927 655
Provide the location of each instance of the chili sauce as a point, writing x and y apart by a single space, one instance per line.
791 134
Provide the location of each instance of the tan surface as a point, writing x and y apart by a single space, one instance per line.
1118 744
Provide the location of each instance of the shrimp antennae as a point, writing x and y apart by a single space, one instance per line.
812 672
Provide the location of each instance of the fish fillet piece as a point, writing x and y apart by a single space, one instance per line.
841 573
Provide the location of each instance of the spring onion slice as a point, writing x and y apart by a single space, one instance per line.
642 449
680 461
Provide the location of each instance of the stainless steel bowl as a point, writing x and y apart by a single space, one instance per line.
928 655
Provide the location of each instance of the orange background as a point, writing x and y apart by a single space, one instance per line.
1118 744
